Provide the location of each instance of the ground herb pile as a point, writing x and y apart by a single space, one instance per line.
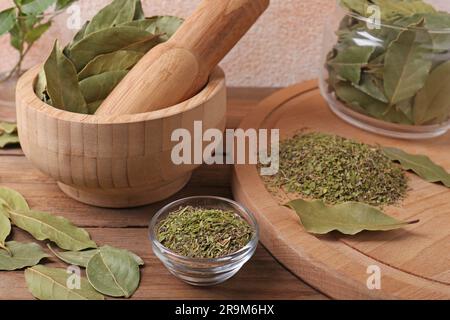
204 233
336 170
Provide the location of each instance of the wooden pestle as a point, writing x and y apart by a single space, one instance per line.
178 69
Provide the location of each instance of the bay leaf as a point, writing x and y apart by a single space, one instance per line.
7 20
76 258
358 6
115 61
77 38
166 26
105 41
35 7
40 87
5 230
45 226
8 127
11 200
98 87
349 61
144 45
93 106
422 165
62 83
348 218
8 139
437 22
407 65
390 9
52 284
36 32
433 100
22 255
372 86
113 273
133 255
62 4
116 13
139 12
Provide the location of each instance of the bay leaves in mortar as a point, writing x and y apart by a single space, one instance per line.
8 139
51 284
11 200
115 61
407 65
116 13
113 272
40 87
349 61
45 226
145 45
76 258
348 218
106 41
21 255
166 26
77 38
98 87
422 165
5 230
93 106
62 83
433 100
8 127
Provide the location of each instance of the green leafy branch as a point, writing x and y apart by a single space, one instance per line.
26 23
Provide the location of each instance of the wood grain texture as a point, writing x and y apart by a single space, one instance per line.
176 70
414 262
114 161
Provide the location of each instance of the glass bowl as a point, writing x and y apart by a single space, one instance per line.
391 76
204 272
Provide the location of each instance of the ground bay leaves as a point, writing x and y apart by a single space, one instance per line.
98 87
45 226
62 83
349 61
348 218
407 65
8 139
166 26
433 100
51 284
113 272
22 255
422 165
116 13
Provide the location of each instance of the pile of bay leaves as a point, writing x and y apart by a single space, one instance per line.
398 71
79 77
110 271
8 134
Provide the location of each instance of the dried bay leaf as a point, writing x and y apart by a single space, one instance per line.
52 284
35 7
162 25
407 65
8 139
93 106
76 258
113 272
5 230
22 255
349 61
348 218
7 20
422 165
45 226
62 83
8 127
11 200
372 86
115 61
98 87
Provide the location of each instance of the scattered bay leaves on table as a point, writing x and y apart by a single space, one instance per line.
348 218
113 272
433 100
407 65
166 26
8 127
349 61
422 165
5 230
52 284
11 200
22 255
76 258
62 83
45 226
98 87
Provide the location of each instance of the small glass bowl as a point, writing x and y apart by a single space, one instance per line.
204 272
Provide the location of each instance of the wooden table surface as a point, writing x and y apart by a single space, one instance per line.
262 278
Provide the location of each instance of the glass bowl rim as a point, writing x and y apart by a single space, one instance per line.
359 17
250 245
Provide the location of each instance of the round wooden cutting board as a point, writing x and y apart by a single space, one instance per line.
413 263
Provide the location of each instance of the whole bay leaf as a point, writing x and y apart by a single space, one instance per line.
7 20
52 284
45 226
21 255
98 87
35 7
372 86
407 65
62 83
105 41
348 218
432 102
8 127
116 13
8 139
350 60
5 230
11 200
144 45
113 272
422 165
76 258
115 61
40 87
166 26
93 106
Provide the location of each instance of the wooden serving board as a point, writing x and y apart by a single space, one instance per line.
414 262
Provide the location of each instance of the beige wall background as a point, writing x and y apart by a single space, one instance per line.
283 48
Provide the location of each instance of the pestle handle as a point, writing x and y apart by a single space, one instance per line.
178 69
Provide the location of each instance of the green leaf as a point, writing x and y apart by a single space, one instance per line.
35 33
114 14
76 258
36 6
158 25
93 106
348 218
43 226
115 61
423 166
113 272
407 65
62 83
52 284
11 200
7 20
5 230
391 9
41 85
358 6
62 4
350 60
22 255
139 12
8 139
433 100
98 87
8 127
106 41
372 86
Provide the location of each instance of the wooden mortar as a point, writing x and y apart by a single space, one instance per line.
115 162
